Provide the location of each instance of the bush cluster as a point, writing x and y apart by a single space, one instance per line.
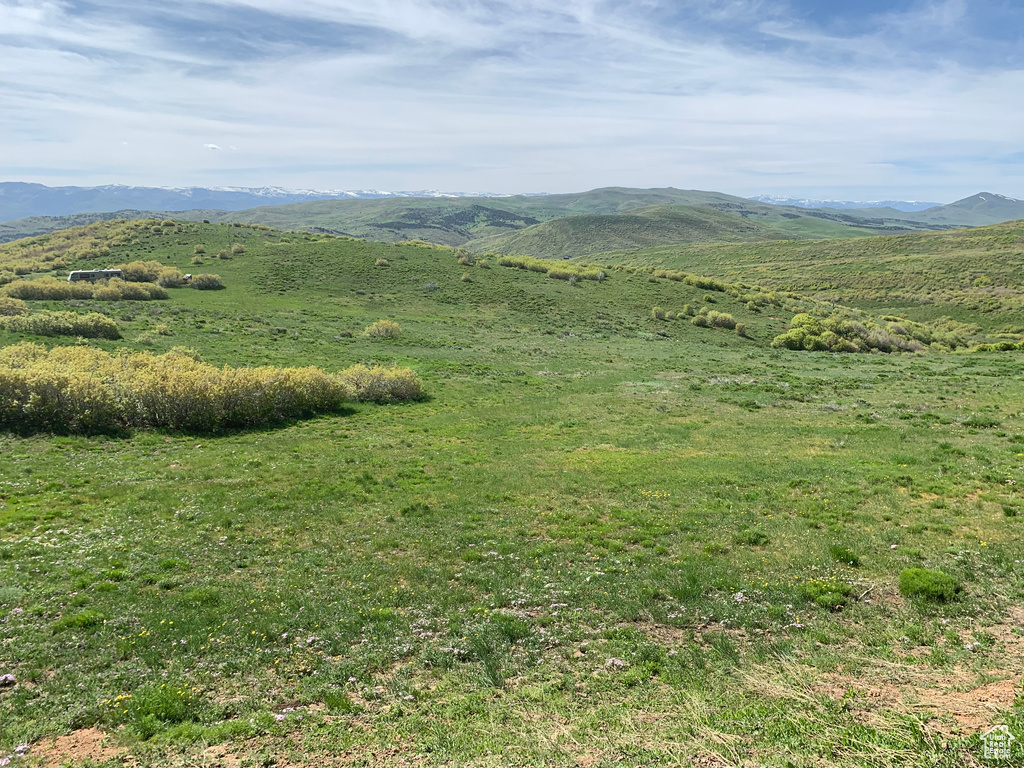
206 282
86 390
91 325
380 384
713 319
12 307
51 289
927 584
557 270
838 334
383 329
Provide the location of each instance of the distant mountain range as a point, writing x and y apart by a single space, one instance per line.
20 200
800 202
556 226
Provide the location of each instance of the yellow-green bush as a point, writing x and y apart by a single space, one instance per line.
382 385
12 307
116 290
383 329
47 289
51 289
91 325
86 390
205 282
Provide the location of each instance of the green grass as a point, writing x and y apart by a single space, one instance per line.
972 276
603 538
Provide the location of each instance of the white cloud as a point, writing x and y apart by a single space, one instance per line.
538 96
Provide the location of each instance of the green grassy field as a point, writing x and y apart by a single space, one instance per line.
971 275
602 539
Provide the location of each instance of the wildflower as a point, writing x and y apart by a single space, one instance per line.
614 662
6 680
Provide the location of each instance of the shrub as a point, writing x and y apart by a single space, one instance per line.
237 249
116 290
170 278
382 385
199 250
47 289
12 307
466 278
141 271
721 320
86 390
926 584
382 263
383 329
206 282
831 593
657 313
91 325
701 321
741 330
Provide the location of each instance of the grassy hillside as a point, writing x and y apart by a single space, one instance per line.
974 211
976 275
603 539
588 234
456 221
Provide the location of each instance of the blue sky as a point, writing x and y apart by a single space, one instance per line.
908 99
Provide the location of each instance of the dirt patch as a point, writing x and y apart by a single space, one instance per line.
77 747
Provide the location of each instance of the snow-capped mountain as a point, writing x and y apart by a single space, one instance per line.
19 200
900 205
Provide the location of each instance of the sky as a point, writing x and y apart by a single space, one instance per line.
866 100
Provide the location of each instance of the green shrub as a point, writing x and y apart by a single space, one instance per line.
466 278
205 282
721 320
12 307
383 329
382 263
80 620
741 330
238 249
380 384
47 289
930 585
657 313
831 593
199 250
701 321
86 390
90 326
153 708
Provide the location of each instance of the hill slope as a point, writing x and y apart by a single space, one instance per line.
592 233
456 221
971 274
596 514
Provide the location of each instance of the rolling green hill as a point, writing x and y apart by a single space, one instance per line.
456 221
605 536
592 233
975 274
